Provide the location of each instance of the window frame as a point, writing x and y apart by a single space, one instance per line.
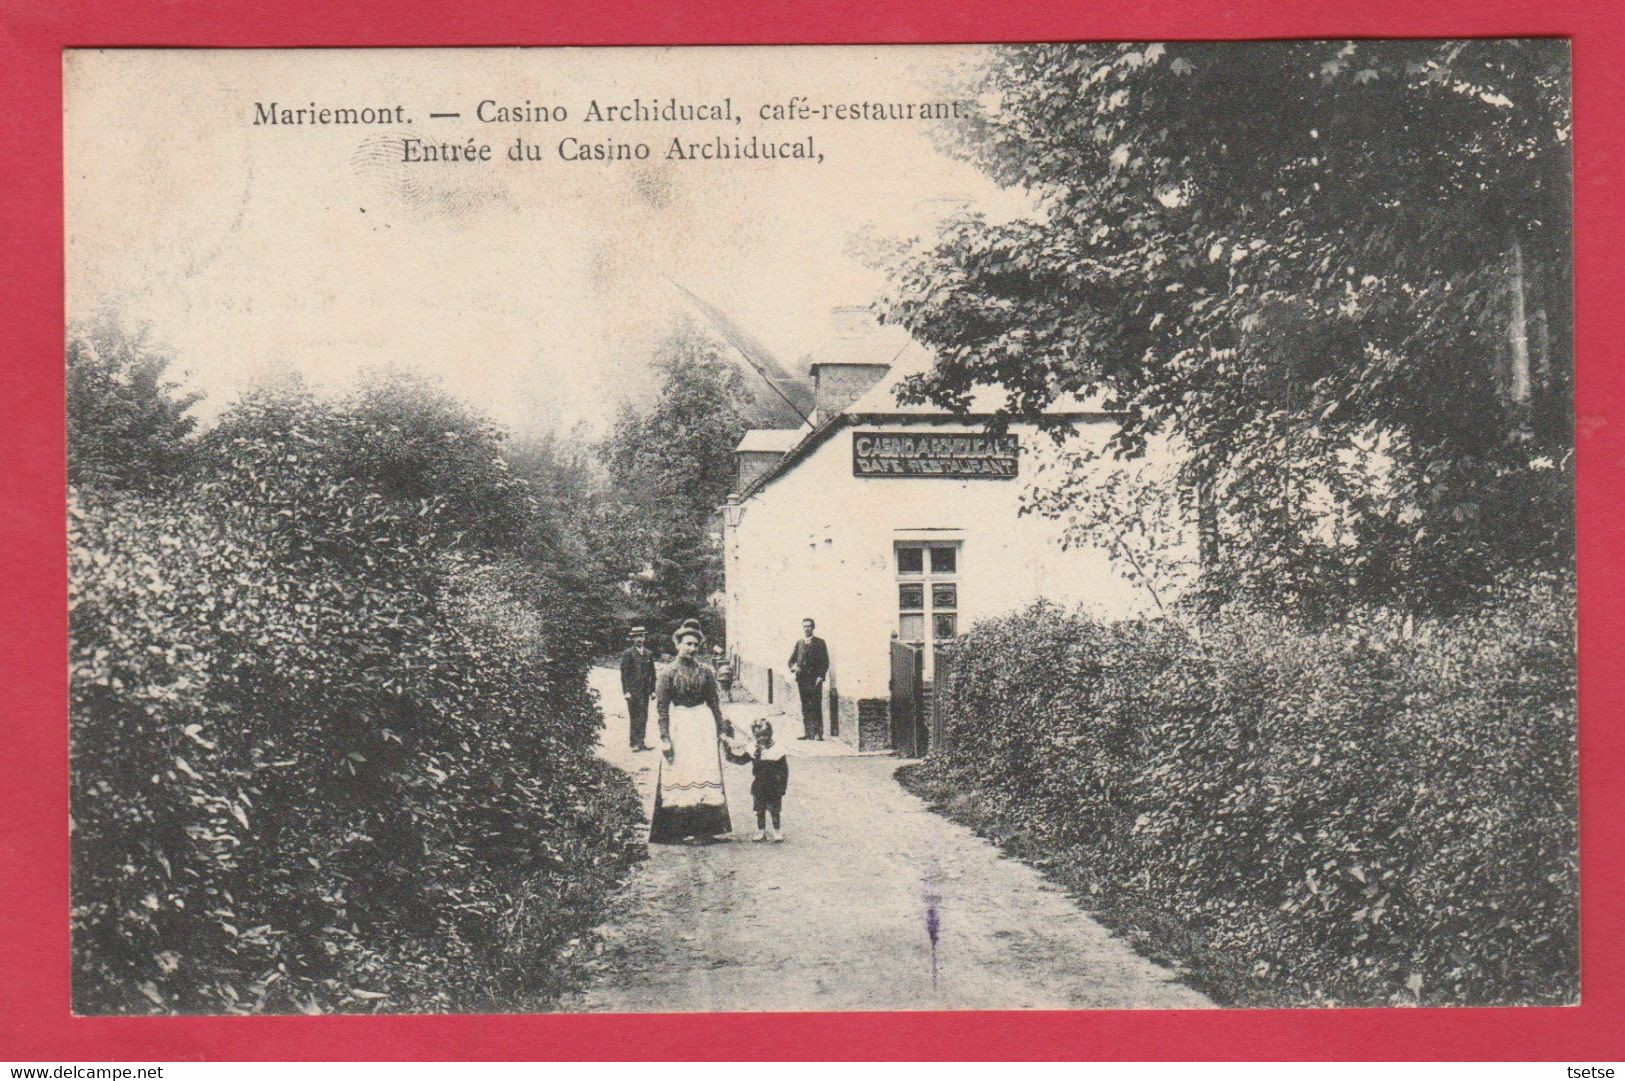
928 580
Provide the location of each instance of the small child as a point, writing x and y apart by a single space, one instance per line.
770 771
725 678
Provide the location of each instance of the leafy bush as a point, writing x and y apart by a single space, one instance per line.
328 753
127 426
1350 816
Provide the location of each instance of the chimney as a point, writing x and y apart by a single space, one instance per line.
753 463
836 386
759 450
852 321
852 362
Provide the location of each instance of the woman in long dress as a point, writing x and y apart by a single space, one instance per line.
689 798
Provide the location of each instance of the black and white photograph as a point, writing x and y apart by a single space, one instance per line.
821 528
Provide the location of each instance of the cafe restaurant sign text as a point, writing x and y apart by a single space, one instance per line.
916 454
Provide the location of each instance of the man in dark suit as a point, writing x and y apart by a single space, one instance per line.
809 661
638 685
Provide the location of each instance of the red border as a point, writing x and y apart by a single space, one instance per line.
34 1018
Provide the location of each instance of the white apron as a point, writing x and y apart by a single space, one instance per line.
689 798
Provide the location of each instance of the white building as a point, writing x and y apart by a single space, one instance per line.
878 519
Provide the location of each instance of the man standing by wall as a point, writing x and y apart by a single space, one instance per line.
809 662
638 685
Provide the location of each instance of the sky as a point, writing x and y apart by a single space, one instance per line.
536 290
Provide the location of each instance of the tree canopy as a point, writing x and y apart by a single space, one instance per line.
128 426
1338 271
671 466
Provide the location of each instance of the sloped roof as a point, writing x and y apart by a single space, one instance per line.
787 397
897 349
775 440
813 438
875 345
916 359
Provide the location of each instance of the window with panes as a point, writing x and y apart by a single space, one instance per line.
927 594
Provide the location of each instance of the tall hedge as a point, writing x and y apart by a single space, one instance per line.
1349 816
326 754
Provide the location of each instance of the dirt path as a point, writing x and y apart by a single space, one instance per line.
836 917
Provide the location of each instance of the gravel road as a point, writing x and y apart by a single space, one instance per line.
840 916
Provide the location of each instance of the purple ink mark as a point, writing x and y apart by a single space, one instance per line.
931 894
933 923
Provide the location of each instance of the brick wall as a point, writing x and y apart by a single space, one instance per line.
837 386
753 463
862 723
874 723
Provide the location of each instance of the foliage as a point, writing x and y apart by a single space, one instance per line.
1350 816
127 426
1131 510
1288 253
404 440
575 533
671 467
407 440
332 745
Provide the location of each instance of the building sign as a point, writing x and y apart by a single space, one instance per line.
925 454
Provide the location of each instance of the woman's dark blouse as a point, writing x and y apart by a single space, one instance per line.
686 683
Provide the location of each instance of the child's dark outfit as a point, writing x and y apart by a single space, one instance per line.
770 772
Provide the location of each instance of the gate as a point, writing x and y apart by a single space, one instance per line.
941 683
908 737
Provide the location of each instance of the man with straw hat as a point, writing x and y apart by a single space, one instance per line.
638 686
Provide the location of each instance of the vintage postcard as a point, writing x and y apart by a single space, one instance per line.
1070 526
